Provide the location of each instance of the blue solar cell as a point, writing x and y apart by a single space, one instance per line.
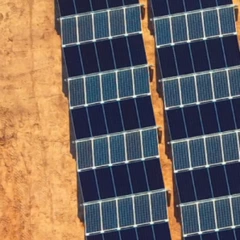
136 46
77 93
101 155
97 120
109 212
172 93
154 174
113 117
129 234
138 177
236 211
204 87
142 213
117 148
223 213
227 19
158 204
229 235
117 22
220 84
89 186
133 145
150 143
121 180
129 114
73 61
189 216
234 76
141 80
233 175
85 28
188 90
160 7
230 147
81 123
225 115
105 183
206 215
83 6
161 231
93 218
192 5
195 26
176 124
197 152
211 23
218 181
193 121
199 56
163 25
167 62
101 25
98 4
109 86
121 52
180 155
186 191
236 108
202 184
66 7
105 55
125 83
145 233
179 29
209 118
208 3
176 6
215 52
90 63
214 150
111 236
93 89
69 30
183 57
84 154
231 50
145 112
125 208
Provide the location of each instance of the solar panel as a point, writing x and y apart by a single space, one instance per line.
124 212
105 24
169 7
73 7
195 26
117 148
130 82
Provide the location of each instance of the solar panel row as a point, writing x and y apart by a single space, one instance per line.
194 26
202 88
199 66
125 212
169 7
99 25
118 148
116 136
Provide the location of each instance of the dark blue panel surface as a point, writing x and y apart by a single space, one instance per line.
145 112
236 107
196 237
199 56
167 62
219 181
128 2
209 118
176 124
89 58
97 120
183 57
99 4
210 236
81 123
137 49
105 183
233 175
111 236
161 231
121 179
192 5
208 3
66 7
114 3
145 233
154 174
121 52
160 8
202 184
129 114
215 52
225 115
185 187
175 6
192 120
105 55
138 177
231 50
95 237
89 186
73 61
237 232
226 235
129 234
224 2
83 6
113 117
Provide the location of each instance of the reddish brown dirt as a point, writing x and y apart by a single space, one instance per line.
38 197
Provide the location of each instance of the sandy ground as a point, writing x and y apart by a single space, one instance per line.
38 191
